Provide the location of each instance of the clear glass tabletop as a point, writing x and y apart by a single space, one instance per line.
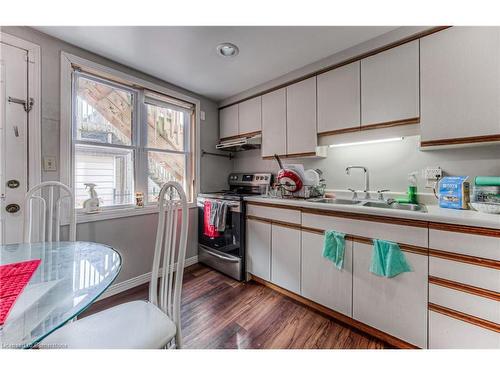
70 277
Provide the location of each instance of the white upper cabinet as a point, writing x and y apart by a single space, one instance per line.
250 116
339 105
301 129
229 121
460 72
274 123
390 85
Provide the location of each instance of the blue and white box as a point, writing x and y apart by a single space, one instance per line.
454 192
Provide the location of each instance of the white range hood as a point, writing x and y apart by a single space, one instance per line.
241 144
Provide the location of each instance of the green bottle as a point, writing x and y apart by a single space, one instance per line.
411 193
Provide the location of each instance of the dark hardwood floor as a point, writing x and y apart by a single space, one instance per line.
219 312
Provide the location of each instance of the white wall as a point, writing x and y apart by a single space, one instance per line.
388 163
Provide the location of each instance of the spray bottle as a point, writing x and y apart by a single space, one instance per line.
411 194
91 205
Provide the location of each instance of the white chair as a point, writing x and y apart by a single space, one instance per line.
50 212
149 324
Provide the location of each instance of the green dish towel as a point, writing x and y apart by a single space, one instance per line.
387 259
334 247
487 181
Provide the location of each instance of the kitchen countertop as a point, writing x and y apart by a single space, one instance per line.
434 213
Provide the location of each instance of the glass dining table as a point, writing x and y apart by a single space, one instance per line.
70 277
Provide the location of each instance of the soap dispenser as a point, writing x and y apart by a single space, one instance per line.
91 205
411 194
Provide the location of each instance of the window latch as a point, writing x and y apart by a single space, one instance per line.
27 104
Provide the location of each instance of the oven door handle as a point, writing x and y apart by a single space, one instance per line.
228 259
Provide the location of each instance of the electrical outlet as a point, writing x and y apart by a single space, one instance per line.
431 175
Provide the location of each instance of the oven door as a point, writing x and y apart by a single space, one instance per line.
229 241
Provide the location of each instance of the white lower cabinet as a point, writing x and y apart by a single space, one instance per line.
259 249
398 305
322 282
285 257
449 333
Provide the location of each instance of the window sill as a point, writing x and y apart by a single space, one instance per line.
118 213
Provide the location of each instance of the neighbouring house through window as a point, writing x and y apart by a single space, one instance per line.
127 140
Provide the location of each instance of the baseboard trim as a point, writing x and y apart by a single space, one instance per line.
139 280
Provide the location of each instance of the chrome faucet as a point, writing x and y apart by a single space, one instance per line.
367 178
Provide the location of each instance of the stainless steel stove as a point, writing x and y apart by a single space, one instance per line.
225 251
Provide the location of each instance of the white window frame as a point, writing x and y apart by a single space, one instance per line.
68 64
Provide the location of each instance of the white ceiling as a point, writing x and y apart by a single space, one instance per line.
186 56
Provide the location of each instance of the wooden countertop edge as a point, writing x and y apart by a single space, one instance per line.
394 341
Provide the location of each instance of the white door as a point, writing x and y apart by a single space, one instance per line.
322 282
285 257
398 305
13 141
301 133
274 123
259 249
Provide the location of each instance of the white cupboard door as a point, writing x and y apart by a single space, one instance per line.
460 69
339 105
274 123
259 249
228 121
390 85
285 255
301 132
398 305
250 116
322 282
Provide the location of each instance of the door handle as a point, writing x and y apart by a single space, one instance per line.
226 258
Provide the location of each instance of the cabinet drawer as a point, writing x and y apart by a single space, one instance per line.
272 213
470 274
465 243
402 234
449 333
481 307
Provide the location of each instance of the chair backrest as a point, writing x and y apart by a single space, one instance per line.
171 241
51 211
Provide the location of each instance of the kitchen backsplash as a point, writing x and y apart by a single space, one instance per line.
388 164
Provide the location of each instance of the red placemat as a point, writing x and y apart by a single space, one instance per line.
13 278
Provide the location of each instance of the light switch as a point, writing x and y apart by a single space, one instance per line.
202 115
49 163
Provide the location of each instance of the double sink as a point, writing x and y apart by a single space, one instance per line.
375 203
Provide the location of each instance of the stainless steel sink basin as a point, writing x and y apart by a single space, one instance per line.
397 206
333 201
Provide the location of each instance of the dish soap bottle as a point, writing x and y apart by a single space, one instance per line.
91 205
411 194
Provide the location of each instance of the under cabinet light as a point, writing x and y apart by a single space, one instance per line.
367 142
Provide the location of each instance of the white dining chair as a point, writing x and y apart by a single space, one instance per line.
151 324
51 211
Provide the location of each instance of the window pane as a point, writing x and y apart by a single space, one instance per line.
164 167
165 128
103 113
111 169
